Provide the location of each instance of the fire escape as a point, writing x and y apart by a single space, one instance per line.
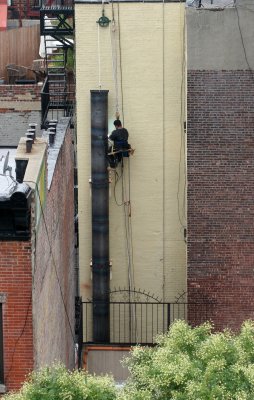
57 27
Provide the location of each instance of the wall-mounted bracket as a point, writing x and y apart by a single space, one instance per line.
103 21
110 270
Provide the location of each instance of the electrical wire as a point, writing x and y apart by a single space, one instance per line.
245 8
53 260
129 246
242 41
19 337
117 179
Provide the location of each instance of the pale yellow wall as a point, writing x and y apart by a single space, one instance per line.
152 78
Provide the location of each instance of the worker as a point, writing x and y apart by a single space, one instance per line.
120 138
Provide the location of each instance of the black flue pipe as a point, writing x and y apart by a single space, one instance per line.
100 216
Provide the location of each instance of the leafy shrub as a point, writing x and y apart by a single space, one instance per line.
57 383
186 364
193 364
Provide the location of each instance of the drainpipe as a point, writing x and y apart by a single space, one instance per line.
100 216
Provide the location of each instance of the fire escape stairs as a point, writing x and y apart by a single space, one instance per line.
58 38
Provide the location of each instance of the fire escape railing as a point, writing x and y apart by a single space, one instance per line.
141 322
33 7
47 106
57 28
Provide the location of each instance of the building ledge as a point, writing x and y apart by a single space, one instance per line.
2 388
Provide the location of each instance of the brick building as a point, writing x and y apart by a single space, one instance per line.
220 163
37 274
19 106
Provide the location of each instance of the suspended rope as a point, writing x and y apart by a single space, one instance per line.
113 42
120 57
99 56
163 150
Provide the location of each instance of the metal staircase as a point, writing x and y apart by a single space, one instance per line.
58 32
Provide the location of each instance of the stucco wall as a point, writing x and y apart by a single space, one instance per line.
152 61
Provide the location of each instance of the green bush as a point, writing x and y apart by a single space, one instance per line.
57 383
186 364
193 364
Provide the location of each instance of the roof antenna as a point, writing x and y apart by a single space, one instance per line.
6 167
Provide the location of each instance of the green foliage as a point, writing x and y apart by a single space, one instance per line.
193 364
57 383
69 60
186 364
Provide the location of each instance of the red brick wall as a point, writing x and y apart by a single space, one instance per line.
18 7
20 92
220 171
16 284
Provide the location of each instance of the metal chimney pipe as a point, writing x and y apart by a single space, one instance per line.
33 132
52 135
33 126
29 144
30 135
20 170
100 216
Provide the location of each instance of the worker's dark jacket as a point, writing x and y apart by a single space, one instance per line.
120 138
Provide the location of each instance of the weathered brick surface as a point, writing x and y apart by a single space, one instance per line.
54 339
16 284
18 9
220 194
20 93
37 331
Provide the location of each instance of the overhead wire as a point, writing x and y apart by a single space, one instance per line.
19 337
53 260
242 41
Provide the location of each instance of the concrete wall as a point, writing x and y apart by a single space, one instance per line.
152 62
220 165
220 40
103 360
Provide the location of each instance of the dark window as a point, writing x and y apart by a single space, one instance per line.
1 346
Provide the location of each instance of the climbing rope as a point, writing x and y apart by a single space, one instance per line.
113 42
99 56
163 149
125 202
